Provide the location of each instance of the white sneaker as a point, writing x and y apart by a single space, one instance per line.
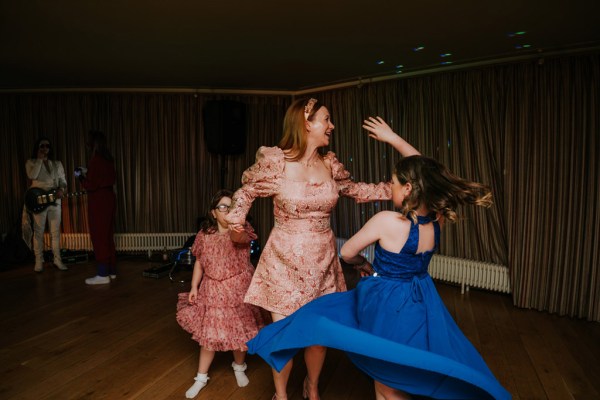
98 280
59 264
112 277
240 375
201 380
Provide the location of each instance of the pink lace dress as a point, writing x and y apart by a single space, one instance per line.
299 261
219 319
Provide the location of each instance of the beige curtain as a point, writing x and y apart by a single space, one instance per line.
530 130
553 185
166 176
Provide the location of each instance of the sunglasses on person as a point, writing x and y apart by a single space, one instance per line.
222 208
44 145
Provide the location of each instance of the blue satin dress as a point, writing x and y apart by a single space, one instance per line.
393 326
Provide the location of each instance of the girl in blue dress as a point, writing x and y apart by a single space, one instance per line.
394 325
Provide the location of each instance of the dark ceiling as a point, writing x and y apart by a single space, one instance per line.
271 45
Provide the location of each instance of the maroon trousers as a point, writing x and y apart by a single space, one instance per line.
101 217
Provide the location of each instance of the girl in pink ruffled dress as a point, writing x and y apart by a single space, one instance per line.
214 311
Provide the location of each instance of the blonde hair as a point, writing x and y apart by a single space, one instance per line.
294 130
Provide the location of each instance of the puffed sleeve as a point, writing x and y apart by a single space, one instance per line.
359 191
197 246
260 180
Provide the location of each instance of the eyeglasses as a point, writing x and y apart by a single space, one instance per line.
222 208
44 145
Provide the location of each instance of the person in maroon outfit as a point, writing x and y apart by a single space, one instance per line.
98 180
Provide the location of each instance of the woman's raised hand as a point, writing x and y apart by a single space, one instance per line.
379 129
382 132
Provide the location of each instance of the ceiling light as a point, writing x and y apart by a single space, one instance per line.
513 34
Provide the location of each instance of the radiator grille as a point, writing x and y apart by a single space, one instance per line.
124 242
466 273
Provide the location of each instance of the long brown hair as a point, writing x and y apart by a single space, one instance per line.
294 130
439 189
209 225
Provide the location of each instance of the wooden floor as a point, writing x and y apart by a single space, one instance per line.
61 339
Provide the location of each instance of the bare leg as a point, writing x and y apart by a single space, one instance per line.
314 356
280 379
206 358
239 356
383 392
201 379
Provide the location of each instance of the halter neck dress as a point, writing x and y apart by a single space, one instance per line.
393 326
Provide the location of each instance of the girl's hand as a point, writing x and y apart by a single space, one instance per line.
236 228
193 295
365 269
379 130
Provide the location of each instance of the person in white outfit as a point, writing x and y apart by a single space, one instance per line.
46 173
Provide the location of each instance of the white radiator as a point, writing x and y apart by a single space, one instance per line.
478 274
466 273
126 242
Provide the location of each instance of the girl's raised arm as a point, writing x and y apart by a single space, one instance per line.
382 132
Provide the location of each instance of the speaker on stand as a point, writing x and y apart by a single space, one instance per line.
224 130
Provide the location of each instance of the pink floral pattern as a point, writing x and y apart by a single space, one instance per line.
219 319
299 262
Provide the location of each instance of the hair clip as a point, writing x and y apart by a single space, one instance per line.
308 107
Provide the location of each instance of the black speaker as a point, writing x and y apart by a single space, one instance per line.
225 126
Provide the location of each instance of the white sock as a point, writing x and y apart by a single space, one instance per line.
193 391
240 375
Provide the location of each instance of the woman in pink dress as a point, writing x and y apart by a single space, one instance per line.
214 311
299 262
